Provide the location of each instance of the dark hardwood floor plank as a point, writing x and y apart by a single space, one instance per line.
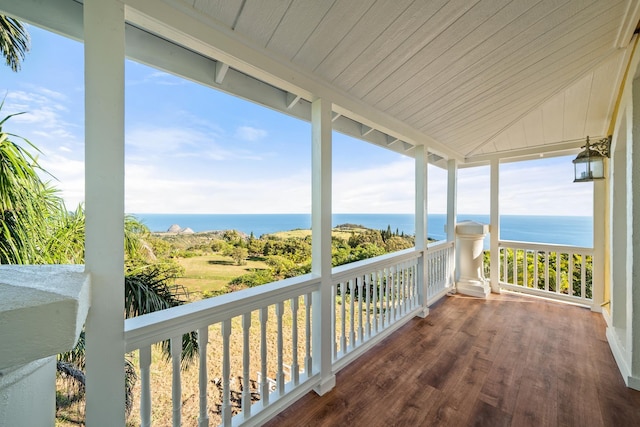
509 360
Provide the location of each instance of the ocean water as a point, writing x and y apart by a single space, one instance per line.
562 230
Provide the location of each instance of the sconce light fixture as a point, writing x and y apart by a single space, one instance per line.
589 164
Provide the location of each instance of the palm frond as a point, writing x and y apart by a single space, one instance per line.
148 289
14 41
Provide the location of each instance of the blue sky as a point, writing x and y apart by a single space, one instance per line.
192 149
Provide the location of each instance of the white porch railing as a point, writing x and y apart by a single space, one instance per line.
554 271
269 306
441 261
372 298
262 336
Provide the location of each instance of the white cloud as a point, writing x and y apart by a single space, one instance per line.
157 78
41 114
157 141
381 188
69 177
149 190
248 133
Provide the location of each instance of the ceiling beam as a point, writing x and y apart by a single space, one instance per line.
365 130
221 71
292 99
564 148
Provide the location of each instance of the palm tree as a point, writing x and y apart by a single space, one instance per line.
36 228
14 41
27 204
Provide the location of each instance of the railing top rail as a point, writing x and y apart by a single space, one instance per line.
346 271
548 247
440 244
160 325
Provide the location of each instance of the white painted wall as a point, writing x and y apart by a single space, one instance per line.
27 394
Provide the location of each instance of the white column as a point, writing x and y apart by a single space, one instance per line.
599 218
452 213
494 275
452 199
618 232
633 240
321 242
421 176
104 206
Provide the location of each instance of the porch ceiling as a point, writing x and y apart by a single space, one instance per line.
479 76
471 79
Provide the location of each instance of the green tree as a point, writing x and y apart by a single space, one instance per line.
14 41
280 265
239 255
29 207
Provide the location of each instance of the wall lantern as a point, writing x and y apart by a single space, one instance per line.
589 164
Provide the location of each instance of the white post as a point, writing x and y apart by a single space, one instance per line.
452 199
494 228
633 241
452 214
321 242
599 242
421 172
104 207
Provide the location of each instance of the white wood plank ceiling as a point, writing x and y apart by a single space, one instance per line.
472 79
479 76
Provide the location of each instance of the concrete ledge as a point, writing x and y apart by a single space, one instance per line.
42 310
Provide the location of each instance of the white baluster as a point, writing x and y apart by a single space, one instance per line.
366 283
343 326
570 273
388 296
280 375
203 341
246 364
405 287
176 388
381 299
414 284
535 269
375 288
432 274
515 267
583 276
360 287
334 325
264 385
525 268
396 292
352 296
308 365
226 372
546 270
558 275
400 290
295 368
145 388
505 263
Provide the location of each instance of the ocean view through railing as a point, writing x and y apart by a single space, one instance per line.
564 230
256 349
554 271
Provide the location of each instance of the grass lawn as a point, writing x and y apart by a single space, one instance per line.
213 271
302 233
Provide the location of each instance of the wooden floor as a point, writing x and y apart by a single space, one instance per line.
506 361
